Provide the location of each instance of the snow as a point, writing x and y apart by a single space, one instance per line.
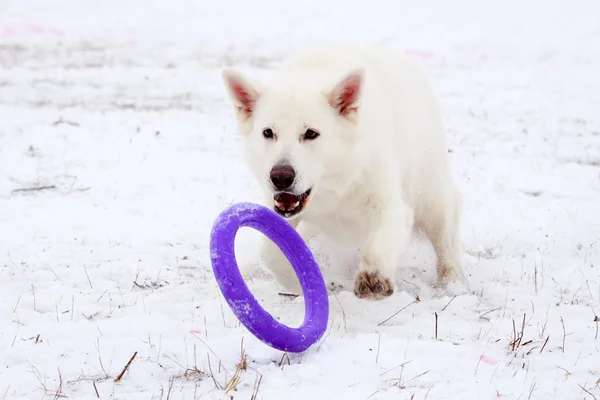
119 109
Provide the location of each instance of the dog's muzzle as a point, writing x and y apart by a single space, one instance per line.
288 204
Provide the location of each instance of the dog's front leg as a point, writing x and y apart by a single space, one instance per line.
387 241
279 266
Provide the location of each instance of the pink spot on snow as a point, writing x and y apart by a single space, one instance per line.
15 29
35 28
420 53
487 359
8 31
196 331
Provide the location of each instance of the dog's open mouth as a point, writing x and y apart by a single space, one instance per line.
288 204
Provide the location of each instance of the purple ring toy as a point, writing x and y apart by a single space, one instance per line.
241 301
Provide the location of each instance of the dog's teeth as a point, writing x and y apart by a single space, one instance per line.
296 204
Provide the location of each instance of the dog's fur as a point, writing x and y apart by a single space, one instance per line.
378 169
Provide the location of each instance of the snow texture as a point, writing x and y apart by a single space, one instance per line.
118 150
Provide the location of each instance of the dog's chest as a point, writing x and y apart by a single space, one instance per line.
347 224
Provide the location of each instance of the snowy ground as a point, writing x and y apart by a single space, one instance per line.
117 109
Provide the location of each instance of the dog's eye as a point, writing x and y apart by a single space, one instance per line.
268 133
311 134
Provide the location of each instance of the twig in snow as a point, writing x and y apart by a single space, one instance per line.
33 294
596 321
545 342
61 121
118 378
517 337
96 388
567 373
398 312
564 334
17 305
101 296
585 390
291 295
531 389
343 313
397 366
100 359
418 376
34 189
436 326
545 324
378 347
327 333
451 300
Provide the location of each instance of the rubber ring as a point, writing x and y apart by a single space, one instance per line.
239 298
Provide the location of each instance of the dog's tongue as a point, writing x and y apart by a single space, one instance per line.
286 201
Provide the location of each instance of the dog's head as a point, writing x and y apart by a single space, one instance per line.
299 134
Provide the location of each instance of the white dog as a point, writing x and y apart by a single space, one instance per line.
350 140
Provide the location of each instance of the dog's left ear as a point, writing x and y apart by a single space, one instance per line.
345 95
241 91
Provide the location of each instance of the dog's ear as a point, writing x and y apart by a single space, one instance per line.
345 95
242 93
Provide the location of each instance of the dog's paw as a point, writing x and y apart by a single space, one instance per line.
372 286
447 275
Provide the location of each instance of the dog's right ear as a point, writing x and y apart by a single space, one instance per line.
345 95
243 94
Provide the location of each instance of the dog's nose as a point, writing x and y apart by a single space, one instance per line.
282 176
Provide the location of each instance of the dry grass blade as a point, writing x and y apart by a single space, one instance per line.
59 391
243 364
256 386
212 375
237 376
517 337
522 330
398 312
171 383
234 381
284 357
